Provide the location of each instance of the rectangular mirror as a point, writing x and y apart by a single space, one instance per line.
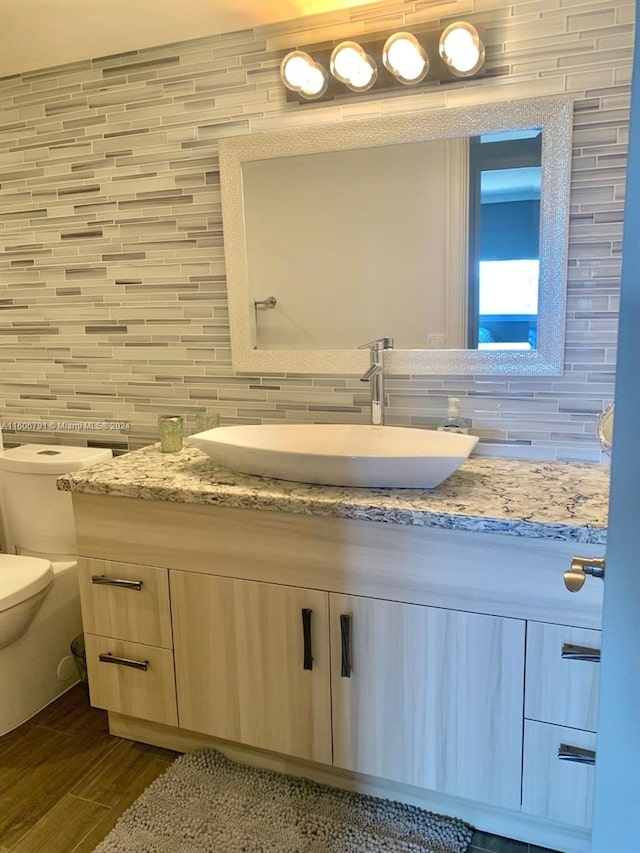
445 230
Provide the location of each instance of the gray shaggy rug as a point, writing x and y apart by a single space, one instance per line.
205 802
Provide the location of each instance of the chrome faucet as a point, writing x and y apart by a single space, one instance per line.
375 377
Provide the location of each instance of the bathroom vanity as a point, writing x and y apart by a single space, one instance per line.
411 644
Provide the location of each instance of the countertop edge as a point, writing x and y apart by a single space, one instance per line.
235 497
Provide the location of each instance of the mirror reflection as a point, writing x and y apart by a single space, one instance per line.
605 428
353 241
504 222
438 242
446 230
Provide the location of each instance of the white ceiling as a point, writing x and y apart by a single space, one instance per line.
41 33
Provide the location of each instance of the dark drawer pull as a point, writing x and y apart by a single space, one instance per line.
345 634
571 652
307 662
103 580
576 754
134 664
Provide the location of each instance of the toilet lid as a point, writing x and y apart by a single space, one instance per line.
21 578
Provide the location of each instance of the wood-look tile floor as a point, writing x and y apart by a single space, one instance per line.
64 780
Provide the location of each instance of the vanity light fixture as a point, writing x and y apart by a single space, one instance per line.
320 72
300 73
352 66
405 58
461 49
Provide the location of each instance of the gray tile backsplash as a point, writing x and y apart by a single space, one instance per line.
112 270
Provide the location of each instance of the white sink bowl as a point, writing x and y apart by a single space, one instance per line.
339 454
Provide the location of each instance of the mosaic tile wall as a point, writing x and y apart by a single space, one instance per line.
112 276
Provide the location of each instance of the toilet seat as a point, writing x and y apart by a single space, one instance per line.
21 578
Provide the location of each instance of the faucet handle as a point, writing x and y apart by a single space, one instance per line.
378 344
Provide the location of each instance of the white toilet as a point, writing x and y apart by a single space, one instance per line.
39 597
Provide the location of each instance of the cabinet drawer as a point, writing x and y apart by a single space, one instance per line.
561 685
132 679
552 787
126 601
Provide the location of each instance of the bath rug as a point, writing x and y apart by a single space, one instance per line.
205 802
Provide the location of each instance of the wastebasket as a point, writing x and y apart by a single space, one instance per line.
80 658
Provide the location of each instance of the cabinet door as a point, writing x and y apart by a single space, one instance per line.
434 697
240 674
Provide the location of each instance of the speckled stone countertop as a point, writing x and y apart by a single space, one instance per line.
542 500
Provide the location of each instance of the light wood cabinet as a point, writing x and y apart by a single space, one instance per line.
432 697
240 663
427 699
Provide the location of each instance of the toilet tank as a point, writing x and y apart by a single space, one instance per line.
38 518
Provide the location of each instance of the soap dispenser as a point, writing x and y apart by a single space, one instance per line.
454 422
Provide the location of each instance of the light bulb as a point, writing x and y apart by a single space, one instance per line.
294 69
315 81
346 61
458 42
350 65
300 73
362 75
405 58
467 60
461 48
400 51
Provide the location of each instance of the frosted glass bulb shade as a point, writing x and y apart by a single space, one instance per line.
294 70
405 58
345 60
352 66
460 47
316 82
364 76
301 74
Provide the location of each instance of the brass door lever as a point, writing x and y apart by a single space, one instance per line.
581 567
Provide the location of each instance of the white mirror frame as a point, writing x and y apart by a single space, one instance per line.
554 115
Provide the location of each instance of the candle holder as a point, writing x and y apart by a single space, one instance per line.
170 428
205 421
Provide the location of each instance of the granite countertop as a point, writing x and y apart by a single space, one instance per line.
542 500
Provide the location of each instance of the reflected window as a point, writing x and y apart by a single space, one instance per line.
504 219
508 304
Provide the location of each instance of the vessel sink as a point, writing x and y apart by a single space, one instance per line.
339 454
